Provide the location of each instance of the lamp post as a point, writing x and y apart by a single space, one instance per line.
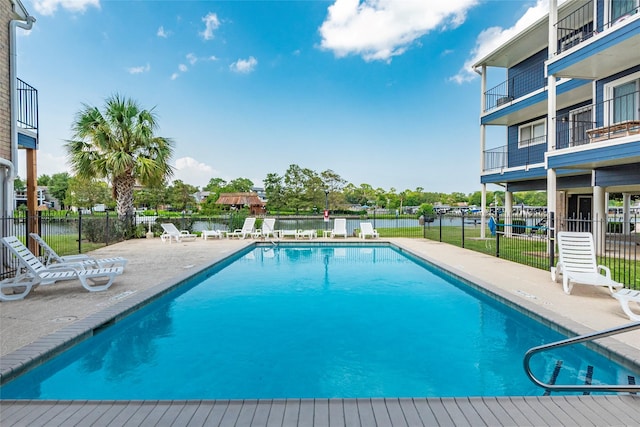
326 209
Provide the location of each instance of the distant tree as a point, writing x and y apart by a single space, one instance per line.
274 191
19 184
238 185
59 185
333 183
150 197
44 180
215 184
119 144
181 195
86 193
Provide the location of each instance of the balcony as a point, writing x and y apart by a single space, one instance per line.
27 115
578 26
524 154
617 118
524 82
575 27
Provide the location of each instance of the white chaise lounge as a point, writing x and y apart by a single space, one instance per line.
577 263
267 229
51 257
246 231
339 227
366 229
171 232
626 296
34 272
216 234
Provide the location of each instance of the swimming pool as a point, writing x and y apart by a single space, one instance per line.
308 322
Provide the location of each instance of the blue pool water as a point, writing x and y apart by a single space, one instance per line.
318 321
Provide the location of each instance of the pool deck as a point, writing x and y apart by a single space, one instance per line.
53 317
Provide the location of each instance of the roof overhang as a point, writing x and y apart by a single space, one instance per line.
19 9
530 40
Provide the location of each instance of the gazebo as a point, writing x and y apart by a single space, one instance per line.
240 200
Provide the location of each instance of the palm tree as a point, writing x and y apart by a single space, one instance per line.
119 144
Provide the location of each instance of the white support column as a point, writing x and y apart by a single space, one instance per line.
508 212
483 138
599 218
626 216
551 121
483 210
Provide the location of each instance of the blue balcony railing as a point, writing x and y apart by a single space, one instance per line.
517 85
526 153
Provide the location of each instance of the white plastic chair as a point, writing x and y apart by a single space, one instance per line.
577 263
626 296
366 229
247 229
171 232
51 257
339 227
36 273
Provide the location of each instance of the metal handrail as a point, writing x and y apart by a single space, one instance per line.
576 340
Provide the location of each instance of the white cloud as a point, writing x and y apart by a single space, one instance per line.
244 66
175 76
491 38
211 23
183 68
382 29
49 7
193 172
139 70
162 32
192 58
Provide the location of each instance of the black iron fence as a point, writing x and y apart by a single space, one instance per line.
523 238
66 234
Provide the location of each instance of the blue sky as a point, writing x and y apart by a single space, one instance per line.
378 91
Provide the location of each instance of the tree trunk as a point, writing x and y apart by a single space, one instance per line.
123 187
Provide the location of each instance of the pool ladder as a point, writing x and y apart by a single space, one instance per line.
586 388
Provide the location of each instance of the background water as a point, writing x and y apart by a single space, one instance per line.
311 322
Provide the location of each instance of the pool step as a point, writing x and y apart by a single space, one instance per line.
554 376
587 379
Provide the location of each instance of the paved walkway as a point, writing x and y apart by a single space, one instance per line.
51 315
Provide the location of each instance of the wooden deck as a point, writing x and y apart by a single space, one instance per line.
623 410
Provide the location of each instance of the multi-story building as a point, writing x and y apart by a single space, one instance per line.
18 106
570 106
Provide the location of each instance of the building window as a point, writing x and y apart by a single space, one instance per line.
623 100
620 9
532 133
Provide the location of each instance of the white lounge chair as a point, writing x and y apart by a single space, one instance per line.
51 257
267 229
306 234
171 232
20 286
287 233
216 234
36 273
577 263
247 229
366 229
625 296
339 227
